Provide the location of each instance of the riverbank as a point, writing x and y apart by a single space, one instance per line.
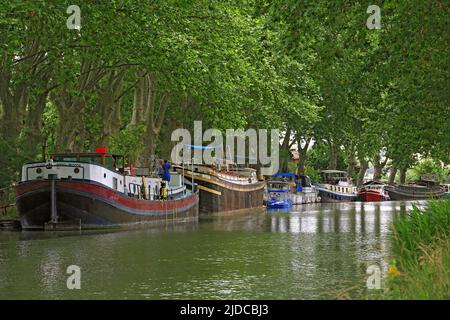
421 269
11 214
8 209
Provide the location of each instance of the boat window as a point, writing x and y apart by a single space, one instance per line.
306 182
115 183
68 159
91 159
109 162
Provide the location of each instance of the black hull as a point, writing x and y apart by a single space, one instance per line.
326 196
396 194
90 211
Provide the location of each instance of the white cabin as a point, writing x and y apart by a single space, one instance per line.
101 168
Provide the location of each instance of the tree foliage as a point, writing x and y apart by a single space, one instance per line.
137 70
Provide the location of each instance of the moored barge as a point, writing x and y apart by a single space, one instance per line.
96 190
421 190
224 189
336 186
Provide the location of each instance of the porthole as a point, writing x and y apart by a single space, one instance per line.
76 170
38 170
104 175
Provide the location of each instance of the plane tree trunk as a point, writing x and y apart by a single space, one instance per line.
364 164
285 152
71 104
351 162
378 166
109 104
303 156
392 174
149 109
403 175
23 100
333 155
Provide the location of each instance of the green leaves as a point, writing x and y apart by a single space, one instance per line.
310 66
379 88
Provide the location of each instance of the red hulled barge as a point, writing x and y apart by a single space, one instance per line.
96 190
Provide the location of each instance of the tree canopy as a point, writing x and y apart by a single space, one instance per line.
136 70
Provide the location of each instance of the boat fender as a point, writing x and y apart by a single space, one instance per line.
144 187
163 191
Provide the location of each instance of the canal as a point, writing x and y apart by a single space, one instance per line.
316 251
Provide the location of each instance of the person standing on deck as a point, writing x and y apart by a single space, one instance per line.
166 174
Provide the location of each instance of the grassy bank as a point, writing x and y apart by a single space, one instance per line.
8 196
422 251
11 214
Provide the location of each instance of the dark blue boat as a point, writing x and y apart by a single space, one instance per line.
277 195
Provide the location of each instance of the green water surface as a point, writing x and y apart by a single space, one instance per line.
316 251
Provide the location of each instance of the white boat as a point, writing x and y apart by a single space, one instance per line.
301 190
97 190
336 186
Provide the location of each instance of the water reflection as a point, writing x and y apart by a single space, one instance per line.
307 253
357 217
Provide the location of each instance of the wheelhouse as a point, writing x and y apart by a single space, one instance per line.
278 191
115 162
277 186
334 177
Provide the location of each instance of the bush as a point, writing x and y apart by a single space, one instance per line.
429 166
422 250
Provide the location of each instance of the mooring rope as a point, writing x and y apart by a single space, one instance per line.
6 188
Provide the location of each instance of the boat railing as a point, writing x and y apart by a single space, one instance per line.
134 189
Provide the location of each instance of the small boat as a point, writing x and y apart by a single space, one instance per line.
372 191
224 187
336 186
278 195
97 190
420 190
301 189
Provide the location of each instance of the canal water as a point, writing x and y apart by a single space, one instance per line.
316 251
